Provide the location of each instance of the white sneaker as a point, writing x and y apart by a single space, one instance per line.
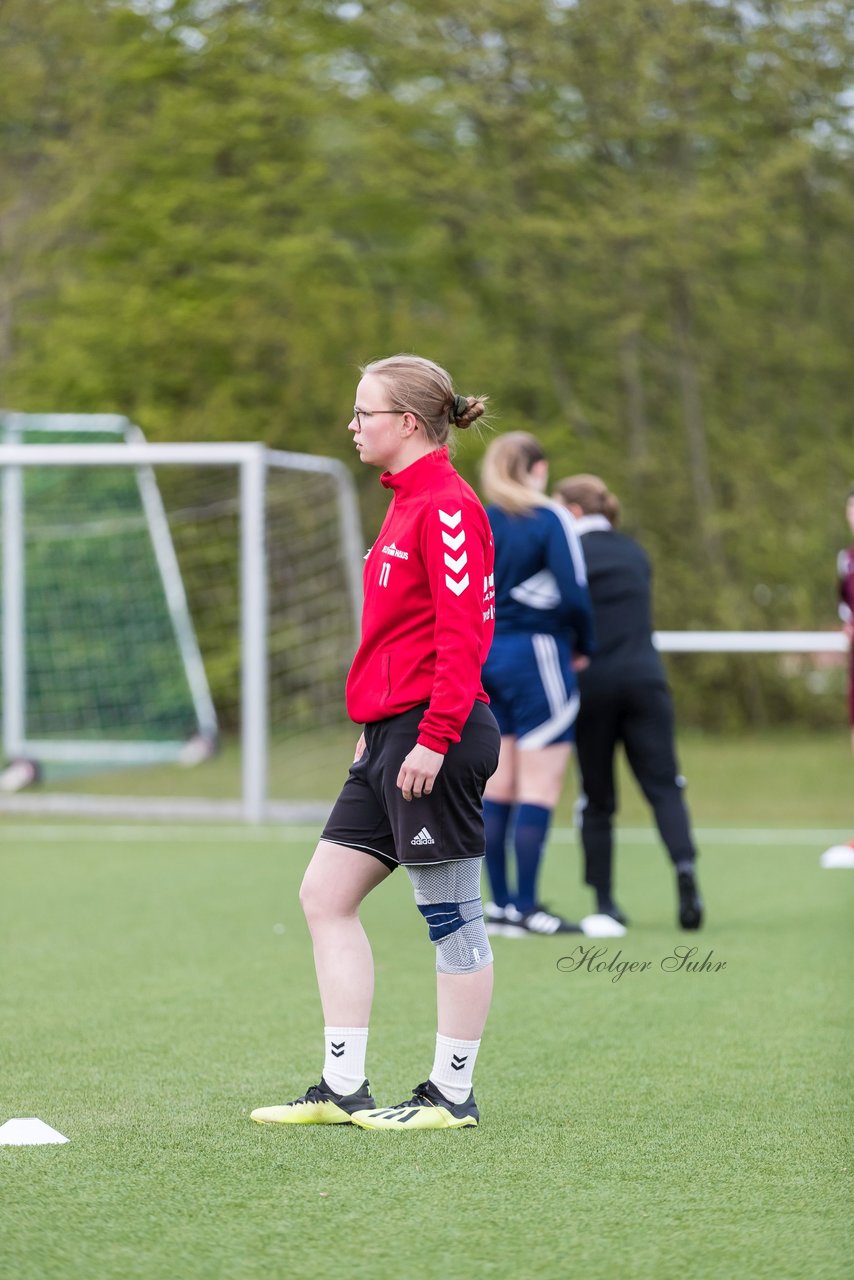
602 926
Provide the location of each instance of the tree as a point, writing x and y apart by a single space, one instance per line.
626 220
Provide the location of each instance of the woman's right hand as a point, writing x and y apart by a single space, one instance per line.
360 748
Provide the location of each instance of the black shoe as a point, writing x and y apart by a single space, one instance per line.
606 906
428 1108
543 922
690 903
318 1105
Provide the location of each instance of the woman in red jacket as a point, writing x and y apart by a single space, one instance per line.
414 791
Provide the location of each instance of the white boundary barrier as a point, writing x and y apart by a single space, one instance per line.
751 641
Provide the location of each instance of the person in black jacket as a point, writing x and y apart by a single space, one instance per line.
624 698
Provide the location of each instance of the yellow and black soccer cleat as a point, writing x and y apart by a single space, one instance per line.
428 1108
319 1105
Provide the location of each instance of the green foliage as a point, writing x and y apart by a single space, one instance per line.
628 222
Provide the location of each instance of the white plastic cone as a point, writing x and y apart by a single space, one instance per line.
28 1132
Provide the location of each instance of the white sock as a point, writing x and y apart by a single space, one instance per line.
344 1064
453 1067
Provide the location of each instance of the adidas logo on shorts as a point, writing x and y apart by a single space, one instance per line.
423 837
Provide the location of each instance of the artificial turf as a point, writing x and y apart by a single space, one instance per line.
157 984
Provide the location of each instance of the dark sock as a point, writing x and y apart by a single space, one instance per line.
529 838
496 817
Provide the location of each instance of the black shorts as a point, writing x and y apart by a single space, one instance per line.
371 813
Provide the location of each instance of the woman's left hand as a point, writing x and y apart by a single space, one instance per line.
418 772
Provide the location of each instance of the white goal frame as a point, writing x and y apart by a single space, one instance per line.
17 744
252 462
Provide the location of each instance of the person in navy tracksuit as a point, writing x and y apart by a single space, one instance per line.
543 634
625 698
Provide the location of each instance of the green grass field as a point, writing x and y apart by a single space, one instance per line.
157 984
774 779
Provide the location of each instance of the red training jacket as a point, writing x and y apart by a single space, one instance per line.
429 604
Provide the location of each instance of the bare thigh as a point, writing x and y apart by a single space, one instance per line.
540 773
501 787
338 879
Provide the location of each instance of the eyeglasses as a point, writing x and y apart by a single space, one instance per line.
359 414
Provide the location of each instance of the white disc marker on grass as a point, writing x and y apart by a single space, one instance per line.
28 1132
838 855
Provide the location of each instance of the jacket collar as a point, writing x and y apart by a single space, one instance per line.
419 475
591 524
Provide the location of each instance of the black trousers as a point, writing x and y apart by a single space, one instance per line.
622 706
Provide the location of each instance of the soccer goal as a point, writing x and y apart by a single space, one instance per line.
158 599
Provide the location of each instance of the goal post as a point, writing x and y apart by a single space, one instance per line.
48 535
305 508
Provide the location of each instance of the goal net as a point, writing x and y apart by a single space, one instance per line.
158 598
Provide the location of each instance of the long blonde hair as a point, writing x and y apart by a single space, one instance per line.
591 494
506 469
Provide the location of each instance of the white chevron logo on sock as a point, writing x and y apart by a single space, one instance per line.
423 837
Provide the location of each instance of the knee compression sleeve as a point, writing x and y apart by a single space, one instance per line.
448 896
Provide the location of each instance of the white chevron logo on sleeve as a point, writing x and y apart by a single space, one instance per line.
456 566
454 541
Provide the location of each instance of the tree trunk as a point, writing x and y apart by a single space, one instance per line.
630 369
729 602
695 427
